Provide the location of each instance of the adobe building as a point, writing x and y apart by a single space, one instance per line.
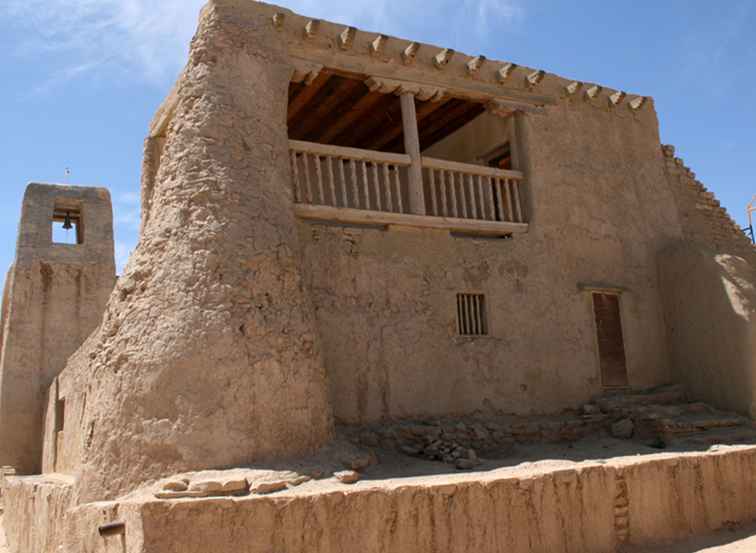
346 230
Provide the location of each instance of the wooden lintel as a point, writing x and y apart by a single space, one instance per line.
601 288
367 217
305 71
505 108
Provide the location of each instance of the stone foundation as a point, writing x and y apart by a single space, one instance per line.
593 506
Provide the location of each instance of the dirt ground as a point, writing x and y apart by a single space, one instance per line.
3 543
741 540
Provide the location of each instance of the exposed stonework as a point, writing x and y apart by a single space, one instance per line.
54 298
704 220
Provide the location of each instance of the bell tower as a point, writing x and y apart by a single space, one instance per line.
55 295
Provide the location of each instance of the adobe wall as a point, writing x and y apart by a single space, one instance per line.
590 507
704 221
710 303
599 209
54 298
208 355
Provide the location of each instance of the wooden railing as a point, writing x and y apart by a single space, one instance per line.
353 186
349 178
468 191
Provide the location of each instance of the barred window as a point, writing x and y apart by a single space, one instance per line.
472 319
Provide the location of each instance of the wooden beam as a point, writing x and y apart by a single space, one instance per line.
307 94
368 217
424 110
385 112
325 108
412 148
352 115
451 111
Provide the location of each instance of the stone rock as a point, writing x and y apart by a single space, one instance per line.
370 439
220 487
409 450
465 464
480 432
176 486
591 409
270 486
348 476
361 462
623 429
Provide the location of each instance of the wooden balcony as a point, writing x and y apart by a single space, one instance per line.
356 186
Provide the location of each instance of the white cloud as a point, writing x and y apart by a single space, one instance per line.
122 252
149 39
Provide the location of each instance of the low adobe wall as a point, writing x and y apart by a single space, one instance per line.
588 508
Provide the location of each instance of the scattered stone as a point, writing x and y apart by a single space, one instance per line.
348 476
591 409
369 439
270 486
623 429
176 486
315 473
409 450
465 464
217 487
361 462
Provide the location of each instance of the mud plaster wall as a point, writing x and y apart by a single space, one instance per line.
592 508
208 355
55 299
711 313
600 209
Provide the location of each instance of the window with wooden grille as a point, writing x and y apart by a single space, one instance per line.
472 319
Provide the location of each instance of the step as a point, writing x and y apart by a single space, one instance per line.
665 395
718 436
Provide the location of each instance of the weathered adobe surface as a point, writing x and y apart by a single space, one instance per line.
572 508
54 298
207 355
703 219
710 307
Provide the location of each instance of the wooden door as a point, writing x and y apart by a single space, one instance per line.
611 346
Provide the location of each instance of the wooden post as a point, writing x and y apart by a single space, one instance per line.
412 149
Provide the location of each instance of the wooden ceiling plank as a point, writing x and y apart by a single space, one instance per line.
358 132
307 94
424 110
360 107
323 108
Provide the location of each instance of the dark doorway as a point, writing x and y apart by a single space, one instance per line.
611 346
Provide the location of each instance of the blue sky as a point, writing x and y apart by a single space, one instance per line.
82 78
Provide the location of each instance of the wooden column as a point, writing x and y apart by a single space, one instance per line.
412 149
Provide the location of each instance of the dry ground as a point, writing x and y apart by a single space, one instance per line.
742 540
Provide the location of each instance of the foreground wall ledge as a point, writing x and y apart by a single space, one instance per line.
592 506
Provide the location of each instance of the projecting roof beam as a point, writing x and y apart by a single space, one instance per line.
442 59
346 38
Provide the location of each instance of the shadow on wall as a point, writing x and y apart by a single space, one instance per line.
710 308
